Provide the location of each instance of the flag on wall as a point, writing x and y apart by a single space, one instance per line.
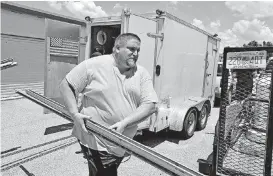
63 47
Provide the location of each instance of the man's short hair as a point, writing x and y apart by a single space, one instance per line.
122 39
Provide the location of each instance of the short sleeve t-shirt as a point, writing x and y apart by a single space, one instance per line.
109 97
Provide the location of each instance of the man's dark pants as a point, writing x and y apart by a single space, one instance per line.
101 163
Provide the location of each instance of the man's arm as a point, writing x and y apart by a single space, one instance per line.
69 96
148 100
140 114
75 82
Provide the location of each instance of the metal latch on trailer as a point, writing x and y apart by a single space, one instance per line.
154 35
137 149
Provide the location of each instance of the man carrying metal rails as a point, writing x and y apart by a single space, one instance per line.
118 94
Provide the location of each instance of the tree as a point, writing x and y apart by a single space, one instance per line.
267 43
254 43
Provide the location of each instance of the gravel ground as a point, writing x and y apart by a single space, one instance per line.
23 124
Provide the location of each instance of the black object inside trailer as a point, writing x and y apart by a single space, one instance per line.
245 131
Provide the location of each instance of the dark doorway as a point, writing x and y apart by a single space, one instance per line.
103 38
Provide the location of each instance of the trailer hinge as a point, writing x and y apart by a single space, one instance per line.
215 49
154 35
127 11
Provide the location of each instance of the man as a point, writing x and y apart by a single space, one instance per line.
80 96
95 54
118 94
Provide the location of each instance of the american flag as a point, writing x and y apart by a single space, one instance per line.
63 47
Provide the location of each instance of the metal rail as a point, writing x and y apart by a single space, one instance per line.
141 151
34 147
28 158
7 63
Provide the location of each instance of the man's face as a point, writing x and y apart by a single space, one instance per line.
128 54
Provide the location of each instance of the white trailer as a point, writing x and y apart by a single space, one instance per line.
181 58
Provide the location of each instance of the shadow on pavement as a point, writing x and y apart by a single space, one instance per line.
152 139
58 128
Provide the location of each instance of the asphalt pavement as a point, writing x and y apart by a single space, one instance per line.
23 127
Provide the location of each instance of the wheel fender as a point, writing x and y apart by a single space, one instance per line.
179 110
175 120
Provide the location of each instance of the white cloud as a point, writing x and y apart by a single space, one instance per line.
116 14
212 28
198 23
244 31
251 9
214 25
169 6
228 38
55 4
117 6
80 9
254 29
174 2
118 9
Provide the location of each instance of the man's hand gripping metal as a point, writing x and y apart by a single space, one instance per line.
79 120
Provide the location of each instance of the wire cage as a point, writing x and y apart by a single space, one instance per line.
245 130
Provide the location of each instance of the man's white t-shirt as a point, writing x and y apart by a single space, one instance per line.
109 97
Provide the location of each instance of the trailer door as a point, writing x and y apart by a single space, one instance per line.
62 54
141 26
209 76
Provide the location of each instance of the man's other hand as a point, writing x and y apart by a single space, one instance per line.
79 120
118 127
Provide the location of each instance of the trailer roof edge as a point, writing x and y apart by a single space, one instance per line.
41 13
172 17
112 19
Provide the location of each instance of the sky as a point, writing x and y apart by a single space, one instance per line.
235 22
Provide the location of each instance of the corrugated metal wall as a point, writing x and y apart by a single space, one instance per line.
29 73
22 24
30 56
22 38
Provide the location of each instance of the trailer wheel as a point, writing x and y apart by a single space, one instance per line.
189 124
203 117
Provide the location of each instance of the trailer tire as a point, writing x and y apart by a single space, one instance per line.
203 117
189 124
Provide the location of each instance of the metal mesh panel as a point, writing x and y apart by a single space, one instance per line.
243 121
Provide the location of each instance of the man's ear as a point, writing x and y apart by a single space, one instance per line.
116 49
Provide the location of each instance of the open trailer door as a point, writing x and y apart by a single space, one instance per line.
141 26
62 54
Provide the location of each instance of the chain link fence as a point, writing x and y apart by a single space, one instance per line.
244 138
